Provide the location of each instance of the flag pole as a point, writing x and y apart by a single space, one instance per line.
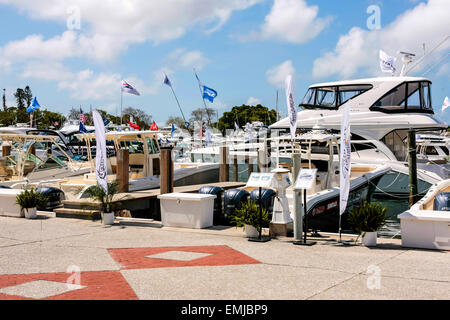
177 100
201 95
121 102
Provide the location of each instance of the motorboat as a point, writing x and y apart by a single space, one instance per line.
425 224
34 157
144 168
382 111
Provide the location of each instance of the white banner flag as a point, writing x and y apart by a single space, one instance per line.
446 104
250 133
345 160
208 136
292 110
387 62
100 155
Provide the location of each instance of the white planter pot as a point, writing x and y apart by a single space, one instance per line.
29 213
369 239
251 231
108 218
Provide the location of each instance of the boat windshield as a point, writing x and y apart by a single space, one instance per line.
332 97
407 97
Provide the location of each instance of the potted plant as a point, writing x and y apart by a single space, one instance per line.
106 200
248 216
366 220
28 201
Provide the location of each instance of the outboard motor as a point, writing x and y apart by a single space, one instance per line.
442 202
54 196
218 203
267 199
233 199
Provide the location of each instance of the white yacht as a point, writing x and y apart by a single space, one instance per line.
382 111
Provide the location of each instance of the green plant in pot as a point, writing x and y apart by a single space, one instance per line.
107 205
248 216
366 220
28 201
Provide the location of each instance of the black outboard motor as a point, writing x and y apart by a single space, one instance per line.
218 203
233 199
267 199
442 202
54 197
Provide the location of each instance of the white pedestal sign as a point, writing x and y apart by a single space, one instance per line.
305 180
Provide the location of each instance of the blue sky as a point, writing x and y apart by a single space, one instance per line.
241 48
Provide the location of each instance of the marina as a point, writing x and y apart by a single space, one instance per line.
340 190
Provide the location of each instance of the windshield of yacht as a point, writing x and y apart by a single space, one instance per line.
332 97
407 97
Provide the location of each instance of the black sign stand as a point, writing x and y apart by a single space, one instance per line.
260 237
305 229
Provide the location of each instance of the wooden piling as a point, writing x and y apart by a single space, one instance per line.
166 168
224 166
6 149
123 160
235 169
412 162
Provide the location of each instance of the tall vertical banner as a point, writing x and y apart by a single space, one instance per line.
100 159
345 160
292 110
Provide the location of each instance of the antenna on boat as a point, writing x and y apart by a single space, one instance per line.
426 55
407 58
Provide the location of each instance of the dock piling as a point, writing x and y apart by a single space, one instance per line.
166 168
123 160
224 167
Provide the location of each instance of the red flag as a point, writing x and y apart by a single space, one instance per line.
134 125
154 127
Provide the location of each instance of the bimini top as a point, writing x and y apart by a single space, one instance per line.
121 135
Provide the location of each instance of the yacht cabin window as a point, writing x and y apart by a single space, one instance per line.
407 97
332 97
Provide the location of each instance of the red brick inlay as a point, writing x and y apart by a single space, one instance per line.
136 258
101 285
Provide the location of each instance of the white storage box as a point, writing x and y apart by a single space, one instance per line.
8 206
425 229
188 210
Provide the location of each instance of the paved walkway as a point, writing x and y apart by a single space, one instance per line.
56 258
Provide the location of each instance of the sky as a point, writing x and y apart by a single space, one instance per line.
75 53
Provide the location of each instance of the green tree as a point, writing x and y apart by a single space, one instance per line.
243 114
178 121
4 100
140 117
28 96
20 98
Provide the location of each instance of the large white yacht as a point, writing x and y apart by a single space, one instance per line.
382 111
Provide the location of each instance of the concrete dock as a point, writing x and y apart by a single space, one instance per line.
59 258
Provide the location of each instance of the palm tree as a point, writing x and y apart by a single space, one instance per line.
105 198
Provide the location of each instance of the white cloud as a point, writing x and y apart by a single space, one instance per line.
252 101
277 75
86 84
108 27
357 51
290 21
183 59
